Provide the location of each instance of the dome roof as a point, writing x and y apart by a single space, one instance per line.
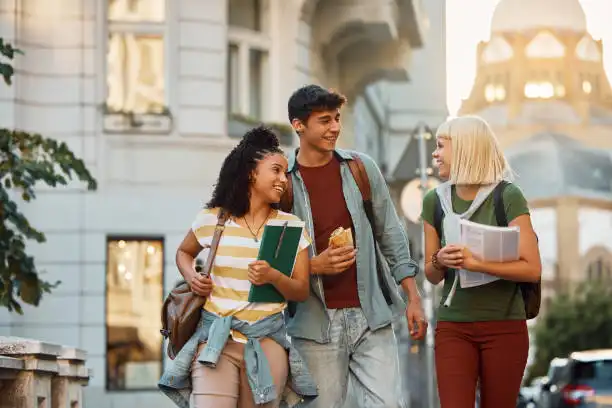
521 15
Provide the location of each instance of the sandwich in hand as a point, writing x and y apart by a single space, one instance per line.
341 237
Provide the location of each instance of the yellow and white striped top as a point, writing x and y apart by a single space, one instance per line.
231 286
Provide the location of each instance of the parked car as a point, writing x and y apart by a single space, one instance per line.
549 388
530 394
525 401
583 381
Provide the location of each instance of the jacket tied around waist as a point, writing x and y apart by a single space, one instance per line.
215 331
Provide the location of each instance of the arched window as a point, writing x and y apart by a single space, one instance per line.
587 50
545 45
497 50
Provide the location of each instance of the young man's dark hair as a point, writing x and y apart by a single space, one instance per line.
312 98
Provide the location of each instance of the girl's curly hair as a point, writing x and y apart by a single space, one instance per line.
232 191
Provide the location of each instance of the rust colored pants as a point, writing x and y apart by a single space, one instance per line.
493 354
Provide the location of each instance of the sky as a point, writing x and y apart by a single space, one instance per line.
465 30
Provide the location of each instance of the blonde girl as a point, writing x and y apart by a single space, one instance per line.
481 336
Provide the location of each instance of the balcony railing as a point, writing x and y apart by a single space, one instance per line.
36 374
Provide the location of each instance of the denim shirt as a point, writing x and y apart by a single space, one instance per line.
215 331
311 320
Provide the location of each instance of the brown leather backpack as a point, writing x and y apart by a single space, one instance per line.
182 308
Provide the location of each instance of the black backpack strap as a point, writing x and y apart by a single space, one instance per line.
502 221
438 216
498 204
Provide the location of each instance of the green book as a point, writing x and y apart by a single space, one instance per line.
279 247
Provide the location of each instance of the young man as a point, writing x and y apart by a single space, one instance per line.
344 329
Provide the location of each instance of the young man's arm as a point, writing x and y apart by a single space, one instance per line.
394 246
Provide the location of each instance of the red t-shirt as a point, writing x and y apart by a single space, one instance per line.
329 211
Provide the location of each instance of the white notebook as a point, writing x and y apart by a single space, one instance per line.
489 243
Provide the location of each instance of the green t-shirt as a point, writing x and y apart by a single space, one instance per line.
498 300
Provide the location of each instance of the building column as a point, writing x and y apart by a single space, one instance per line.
568 241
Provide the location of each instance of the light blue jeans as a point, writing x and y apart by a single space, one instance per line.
358 368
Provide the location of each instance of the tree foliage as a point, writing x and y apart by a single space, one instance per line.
26 161
574 322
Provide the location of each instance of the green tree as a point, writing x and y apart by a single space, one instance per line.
27 160
580 321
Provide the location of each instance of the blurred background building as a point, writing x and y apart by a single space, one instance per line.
541 83
152 94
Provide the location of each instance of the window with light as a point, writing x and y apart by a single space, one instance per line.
495 92
134 296
545 45
247 58
587 50
498 50
135 62
542 90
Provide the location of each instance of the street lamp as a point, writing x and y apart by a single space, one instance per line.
411 203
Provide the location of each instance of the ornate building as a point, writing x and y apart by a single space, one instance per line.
153 94
541 84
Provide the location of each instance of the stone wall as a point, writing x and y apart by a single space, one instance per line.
34 374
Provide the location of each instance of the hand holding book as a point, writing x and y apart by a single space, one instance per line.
277 254
450 256
260 273
486 243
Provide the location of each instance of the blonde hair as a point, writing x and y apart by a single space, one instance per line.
477 157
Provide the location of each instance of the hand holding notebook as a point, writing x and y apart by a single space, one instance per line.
278 248
261 273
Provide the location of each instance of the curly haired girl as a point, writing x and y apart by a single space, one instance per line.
240 355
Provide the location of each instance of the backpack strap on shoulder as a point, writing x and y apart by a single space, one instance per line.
358 171
361 177
362 180
498 204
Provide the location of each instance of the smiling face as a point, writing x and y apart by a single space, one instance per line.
320 132
443 157
270 177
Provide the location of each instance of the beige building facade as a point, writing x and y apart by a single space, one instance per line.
541 84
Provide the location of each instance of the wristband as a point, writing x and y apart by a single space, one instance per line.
435 263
